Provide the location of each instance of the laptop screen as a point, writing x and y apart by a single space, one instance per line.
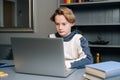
39 56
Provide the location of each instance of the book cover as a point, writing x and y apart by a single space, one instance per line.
4 65
104 69
92 77
68 1
65 1
81 1
75 1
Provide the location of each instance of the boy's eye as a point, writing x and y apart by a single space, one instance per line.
57 23
64 24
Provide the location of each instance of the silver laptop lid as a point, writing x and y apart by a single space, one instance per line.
43 56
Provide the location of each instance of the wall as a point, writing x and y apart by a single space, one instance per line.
1 13
43 9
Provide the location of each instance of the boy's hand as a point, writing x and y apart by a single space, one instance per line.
67 64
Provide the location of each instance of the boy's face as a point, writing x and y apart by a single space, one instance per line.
63 27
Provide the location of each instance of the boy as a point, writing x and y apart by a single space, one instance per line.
77 52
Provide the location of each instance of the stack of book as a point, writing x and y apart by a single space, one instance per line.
74 1
109 70
70 1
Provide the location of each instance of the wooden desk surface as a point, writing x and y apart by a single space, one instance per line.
12 75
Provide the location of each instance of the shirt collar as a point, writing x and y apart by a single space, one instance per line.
69 37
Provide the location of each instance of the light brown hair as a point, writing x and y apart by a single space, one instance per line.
66 12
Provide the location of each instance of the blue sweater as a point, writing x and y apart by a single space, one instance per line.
84 45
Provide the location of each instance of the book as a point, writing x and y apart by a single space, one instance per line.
92 77
65 1
4 65
75 1
68 1
3 74
81 1
104 69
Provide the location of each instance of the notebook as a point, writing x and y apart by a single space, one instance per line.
42 56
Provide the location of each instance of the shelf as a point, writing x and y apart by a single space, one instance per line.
114 2
107 24
105 46
96 13
93 18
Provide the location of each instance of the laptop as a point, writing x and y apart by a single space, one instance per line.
42 56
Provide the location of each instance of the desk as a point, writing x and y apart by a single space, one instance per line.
12 75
